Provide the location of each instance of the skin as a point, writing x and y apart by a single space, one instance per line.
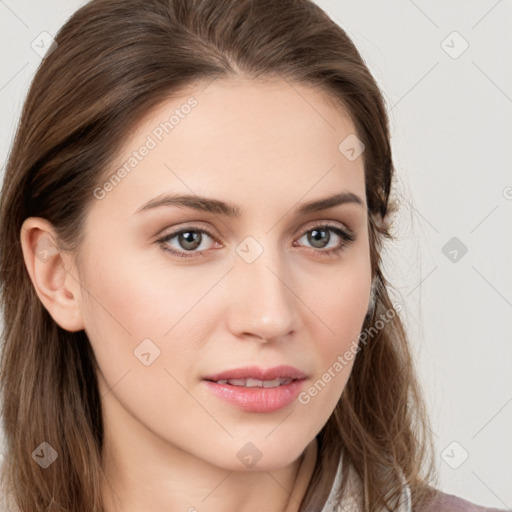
170 443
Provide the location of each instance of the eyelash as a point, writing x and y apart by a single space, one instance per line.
347 236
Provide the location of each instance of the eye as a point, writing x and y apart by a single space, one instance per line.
192 241
320 237
189 240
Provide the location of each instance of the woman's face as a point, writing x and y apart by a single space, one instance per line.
265 288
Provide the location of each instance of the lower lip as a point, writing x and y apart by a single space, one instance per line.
257 399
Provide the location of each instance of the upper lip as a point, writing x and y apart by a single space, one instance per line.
255 372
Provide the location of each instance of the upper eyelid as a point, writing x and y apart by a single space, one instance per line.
329 223
212 232
187 227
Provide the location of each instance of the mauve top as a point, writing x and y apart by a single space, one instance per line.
443 502
438 501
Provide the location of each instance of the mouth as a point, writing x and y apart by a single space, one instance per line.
253 389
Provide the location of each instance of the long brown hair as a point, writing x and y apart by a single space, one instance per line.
116 60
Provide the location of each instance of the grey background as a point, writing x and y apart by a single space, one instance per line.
451 128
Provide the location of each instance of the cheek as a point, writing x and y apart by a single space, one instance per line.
130 301
335 357
139 291
339 302
145 329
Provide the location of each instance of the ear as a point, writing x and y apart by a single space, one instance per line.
50 271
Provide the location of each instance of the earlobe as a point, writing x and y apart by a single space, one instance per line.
47 266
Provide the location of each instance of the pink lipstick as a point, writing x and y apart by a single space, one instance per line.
254 389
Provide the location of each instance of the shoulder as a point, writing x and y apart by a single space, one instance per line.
440 501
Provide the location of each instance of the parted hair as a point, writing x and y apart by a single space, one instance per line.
116 60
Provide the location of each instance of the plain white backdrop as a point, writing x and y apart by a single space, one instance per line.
442 67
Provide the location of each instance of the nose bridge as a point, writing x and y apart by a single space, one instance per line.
263 304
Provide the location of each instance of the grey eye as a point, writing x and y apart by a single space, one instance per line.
319 238
189 240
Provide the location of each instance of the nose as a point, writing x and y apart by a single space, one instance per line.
261 298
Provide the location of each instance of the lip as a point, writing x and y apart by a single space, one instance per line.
255 372
256 399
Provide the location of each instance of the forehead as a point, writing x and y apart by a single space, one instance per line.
238 137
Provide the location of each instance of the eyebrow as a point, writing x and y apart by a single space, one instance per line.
228 209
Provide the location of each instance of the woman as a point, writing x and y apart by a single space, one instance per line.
195 314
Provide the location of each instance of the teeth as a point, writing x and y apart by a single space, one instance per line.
256 383
274 383
253 383
236 382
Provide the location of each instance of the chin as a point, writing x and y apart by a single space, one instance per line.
267 455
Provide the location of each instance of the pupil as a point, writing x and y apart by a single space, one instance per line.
190 240
316 235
